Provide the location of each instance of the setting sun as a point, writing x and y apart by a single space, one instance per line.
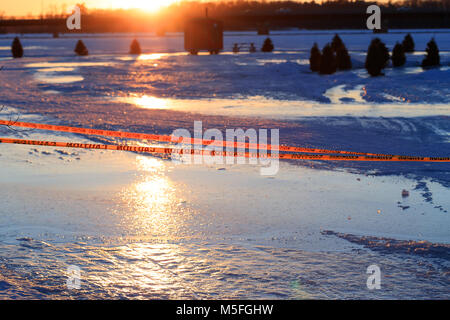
146 5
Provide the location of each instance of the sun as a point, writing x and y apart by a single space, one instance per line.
145 5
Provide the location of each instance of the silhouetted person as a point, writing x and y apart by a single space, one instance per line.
16 48
252 48
236 48
135 47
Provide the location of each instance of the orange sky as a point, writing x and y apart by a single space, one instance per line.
34 7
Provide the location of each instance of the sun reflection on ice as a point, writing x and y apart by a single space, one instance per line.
151 56
148 269
149 164
148 102
153 202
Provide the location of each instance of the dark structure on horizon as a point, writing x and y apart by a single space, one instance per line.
260 16
203 34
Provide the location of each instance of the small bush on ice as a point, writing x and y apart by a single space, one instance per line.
377 57
314 59
343 58
267 46
135 47
81 49
336 43
432 58
328 61
16 48
398 55
408 43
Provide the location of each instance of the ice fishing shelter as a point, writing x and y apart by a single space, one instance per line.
203 34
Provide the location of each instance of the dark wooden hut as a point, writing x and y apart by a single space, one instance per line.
203 34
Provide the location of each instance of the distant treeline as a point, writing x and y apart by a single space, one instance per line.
248 15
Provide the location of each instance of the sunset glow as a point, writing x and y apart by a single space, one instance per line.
145 5
34 7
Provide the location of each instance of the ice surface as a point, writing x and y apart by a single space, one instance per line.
175 231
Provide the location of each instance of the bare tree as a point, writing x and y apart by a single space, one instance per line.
11 121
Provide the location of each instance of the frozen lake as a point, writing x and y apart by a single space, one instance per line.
140 226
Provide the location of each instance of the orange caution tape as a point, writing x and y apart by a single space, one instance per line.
168 151
166 138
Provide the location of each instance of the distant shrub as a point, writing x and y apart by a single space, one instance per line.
135 47
336 43
81 49
267 46
377 57
314 59
328 61
16 48
432 58
408 43
343 58
398 55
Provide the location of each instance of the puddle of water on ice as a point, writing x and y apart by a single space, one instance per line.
67 64
52 92
417 53
126 58
47 72
413 70
260 106
51 78
303 62
361 73
57 69
338 94
35 48
276 61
